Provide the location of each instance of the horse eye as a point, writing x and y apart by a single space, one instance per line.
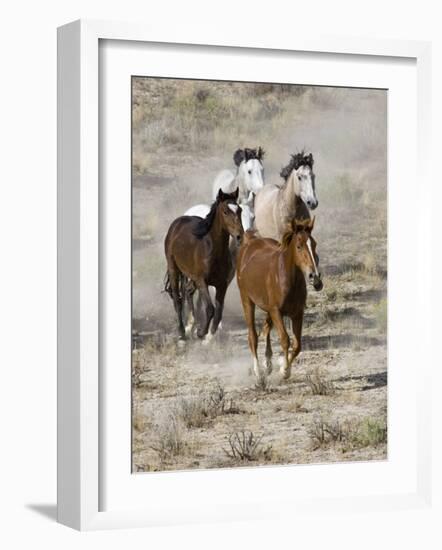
250 171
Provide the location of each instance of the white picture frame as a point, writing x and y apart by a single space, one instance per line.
79 265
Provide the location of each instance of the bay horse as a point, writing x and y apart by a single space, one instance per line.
249 176
274 277
276 206
247 220
197 254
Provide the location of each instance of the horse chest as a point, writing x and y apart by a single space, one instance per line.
293 297
219 268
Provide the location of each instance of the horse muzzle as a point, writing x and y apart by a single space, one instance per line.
317 283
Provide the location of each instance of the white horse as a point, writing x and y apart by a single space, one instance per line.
249 176
276 206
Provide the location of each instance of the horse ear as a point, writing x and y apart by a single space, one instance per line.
261 153
236 194
220 195
238 156
310 160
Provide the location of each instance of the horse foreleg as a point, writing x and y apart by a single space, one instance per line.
297 333
249 315
205 309
285 342
219 306
268 353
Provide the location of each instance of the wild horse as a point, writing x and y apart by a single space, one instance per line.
197 254
274 277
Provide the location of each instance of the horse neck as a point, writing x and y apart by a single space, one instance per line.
219 235
290 266
239 182
289 199
291 204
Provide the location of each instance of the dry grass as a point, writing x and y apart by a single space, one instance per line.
350 434
159 352
318 383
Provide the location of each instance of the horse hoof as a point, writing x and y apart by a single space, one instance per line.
285 373
208 338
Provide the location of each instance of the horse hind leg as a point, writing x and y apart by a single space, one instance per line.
174 290
188 290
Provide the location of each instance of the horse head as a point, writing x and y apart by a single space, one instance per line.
230 213
299 172
299 236
250 168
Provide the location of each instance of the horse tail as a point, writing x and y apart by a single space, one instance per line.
167 286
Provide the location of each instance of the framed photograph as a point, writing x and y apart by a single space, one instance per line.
237 303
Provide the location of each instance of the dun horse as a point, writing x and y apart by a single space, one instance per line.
198 249
274 277
276 206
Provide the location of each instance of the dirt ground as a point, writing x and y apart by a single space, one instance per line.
197 406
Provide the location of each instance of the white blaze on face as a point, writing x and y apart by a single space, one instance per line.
312 256
233 208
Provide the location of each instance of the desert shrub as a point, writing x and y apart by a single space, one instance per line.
318 383
323 432
170 438
246 446
196 410
192 411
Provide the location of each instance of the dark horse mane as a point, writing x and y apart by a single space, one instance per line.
248 154
204 226
297 160
296 226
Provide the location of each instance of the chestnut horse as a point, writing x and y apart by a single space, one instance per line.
274 277
197 254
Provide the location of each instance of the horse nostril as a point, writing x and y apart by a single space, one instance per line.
310 276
